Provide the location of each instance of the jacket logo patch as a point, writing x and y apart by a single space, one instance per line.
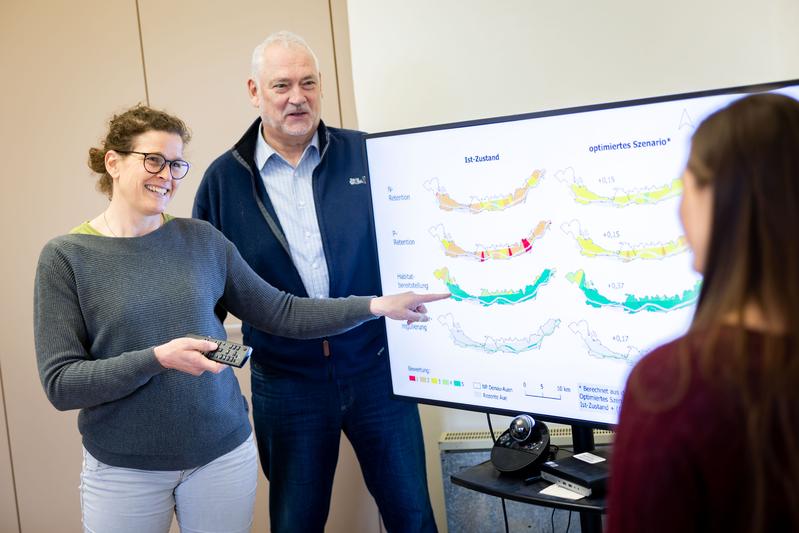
358 180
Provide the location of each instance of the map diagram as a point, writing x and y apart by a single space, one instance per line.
629 252
498 344
479 205
635 304
503 251
595 346
621 198
501 296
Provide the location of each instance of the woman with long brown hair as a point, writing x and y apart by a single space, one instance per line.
708 438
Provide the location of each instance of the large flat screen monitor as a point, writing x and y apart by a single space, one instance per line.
557 234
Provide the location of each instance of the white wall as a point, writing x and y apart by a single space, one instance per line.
421 62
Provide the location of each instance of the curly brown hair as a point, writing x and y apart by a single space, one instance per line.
122 132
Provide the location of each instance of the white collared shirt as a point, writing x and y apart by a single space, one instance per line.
291 191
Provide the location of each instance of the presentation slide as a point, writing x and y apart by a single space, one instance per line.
560 241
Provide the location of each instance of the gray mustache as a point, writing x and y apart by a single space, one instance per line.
298 109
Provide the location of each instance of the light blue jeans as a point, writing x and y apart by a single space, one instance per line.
217 497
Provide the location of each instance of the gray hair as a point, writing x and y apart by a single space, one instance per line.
284 38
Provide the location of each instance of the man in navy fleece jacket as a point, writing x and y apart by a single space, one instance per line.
292 195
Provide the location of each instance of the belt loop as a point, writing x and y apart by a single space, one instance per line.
326 348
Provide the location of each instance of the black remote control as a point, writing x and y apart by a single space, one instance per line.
228 353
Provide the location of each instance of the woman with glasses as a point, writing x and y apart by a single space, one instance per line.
708 438
165 430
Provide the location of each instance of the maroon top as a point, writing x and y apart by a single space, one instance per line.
679 455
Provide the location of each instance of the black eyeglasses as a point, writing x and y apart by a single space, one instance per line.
155 163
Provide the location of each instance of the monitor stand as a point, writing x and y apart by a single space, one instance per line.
583 441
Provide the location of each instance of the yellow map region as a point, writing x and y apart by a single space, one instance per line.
651 196
447 203
524 245
589 248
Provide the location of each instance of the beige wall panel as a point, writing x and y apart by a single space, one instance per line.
66 67
197 56
341 42
8 504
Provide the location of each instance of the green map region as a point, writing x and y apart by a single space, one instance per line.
499 297
635 304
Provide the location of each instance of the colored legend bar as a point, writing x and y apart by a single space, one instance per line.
436 381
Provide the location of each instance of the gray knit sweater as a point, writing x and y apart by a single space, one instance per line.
101 305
